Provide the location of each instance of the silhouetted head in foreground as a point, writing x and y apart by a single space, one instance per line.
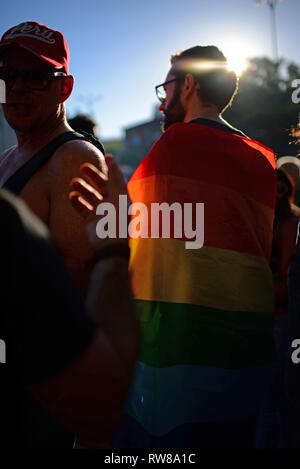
85 123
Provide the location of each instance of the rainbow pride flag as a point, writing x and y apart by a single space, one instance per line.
206 315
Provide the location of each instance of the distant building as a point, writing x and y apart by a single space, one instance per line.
139 139
7 135
143 135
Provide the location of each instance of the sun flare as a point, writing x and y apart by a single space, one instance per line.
237 56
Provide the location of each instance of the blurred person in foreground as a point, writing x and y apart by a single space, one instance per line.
83 122
77 362
207 313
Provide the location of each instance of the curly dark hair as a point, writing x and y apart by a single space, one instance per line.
217 85
295 133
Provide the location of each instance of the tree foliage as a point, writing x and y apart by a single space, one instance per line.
263 108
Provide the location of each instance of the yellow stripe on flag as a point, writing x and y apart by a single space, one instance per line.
212 277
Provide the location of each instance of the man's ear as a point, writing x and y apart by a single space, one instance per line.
66 88
189 85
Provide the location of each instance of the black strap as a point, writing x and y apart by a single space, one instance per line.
17 181
218 125
115 249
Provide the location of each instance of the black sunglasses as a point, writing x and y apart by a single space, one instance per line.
32 79
160 89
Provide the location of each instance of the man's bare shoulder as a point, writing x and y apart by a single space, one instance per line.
71 155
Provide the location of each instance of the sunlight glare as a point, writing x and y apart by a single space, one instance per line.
237 56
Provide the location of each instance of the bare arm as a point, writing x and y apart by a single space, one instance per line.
89 395
115 296
65 223
115 293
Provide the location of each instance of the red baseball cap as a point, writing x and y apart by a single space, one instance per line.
48 44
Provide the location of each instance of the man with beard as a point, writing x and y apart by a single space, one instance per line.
206 315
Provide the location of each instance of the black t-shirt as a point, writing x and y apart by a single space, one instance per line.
43 324
218 125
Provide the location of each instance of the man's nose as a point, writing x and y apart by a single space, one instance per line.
18 84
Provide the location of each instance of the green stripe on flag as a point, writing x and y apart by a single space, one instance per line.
184 334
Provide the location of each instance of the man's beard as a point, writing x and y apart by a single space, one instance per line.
175 112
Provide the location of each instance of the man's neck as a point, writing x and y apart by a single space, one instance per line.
36 139
205 112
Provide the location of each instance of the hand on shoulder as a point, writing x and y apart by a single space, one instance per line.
94 188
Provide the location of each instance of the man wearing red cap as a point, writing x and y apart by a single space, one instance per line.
34 65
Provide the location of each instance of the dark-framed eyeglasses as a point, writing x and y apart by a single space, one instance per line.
32 79
160 89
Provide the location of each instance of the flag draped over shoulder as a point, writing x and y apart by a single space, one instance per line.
206 314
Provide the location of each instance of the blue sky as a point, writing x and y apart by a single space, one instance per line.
120 49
